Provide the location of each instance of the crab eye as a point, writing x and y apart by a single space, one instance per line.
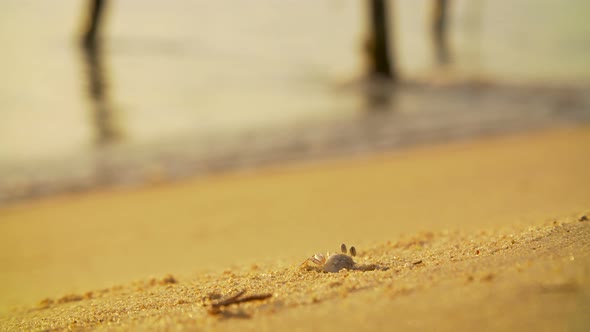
343 248
352 251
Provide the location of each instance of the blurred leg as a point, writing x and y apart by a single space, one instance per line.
379 46
439 31
96 14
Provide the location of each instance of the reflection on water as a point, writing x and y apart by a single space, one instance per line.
103 111
379 95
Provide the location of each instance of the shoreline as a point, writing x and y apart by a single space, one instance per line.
278 216
402 120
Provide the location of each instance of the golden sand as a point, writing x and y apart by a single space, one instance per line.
492 239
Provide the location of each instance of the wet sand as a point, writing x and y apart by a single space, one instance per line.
485 234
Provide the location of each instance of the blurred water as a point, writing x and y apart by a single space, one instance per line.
174 77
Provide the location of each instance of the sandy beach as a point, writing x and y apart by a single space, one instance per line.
487 234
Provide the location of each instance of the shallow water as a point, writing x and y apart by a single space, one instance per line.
192 76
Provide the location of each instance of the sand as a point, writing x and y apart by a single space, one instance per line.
485 234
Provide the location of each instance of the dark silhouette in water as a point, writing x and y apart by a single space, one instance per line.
439 31
379 94
91 34
381 63
96 77
378 43
107 132
103 112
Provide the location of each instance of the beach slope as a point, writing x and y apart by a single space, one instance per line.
487 234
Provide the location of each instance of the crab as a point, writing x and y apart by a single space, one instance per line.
334 262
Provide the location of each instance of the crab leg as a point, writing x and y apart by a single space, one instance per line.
312 259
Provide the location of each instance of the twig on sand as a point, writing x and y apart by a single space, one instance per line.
236 299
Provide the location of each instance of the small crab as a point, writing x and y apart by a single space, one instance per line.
334 262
